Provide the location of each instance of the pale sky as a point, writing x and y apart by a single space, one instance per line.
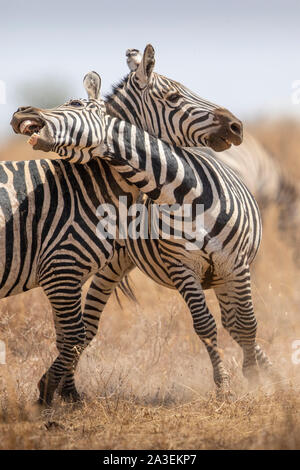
243 55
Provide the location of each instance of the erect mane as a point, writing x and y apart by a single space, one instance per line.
115 89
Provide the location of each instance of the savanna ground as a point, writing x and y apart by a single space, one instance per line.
146 377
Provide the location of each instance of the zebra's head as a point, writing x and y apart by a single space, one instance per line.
168 110
73 130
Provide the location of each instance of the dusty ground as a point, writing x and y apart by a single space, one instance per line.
146 378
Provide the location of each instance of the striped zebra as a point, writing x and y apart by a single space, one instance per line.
49 221
230 229
150 104
198 122
154 103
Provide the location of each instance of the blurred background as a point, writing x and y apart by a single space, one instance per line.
242 56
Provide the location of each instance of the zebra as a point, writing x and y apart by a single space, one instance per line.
143 99
56 204
195 122
48 223
264 177
169 175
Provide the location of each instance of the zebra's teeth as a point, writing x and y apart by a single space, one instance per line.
33 139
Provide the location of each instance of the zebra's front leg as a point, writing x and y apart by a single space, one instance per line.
187 283
238 319
68 321
101 288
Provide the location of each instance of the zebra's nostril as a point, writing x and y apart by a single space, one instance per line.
236 128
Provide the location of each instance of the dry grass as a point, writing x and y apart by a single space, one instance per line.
147 379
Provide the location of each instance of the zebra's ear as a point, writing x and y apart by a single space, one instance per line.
134 58
145 68
92 85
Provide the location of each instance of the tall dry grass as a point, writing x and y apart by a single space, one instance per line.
146 377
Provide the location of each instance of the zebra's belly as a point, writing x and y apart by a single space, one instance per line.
147 256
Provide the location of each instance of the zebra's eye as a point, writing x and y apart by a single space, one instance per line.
75 103
173 97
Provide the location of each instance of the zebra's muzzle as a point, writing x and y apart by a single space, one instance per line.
32 128
39 136
26 122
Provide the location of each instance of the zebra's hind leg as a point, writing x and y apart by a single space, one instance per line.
238 319
187 283
70 339
103 284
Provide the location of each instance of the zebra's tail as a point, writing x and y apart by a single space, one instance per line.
125 287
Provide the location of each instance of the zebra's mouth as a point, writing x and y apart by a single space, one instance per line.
227 143
38 132
217 143
228 131
30 127
29 121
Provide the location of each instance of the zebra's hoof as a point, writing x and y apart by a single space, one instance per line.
224 394
40 405
43 403
71 396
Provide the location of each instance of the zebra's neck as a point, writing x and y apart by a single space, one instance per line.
153 166
125 105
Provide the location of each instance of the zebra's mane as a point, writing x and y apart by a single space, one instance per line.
115 89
